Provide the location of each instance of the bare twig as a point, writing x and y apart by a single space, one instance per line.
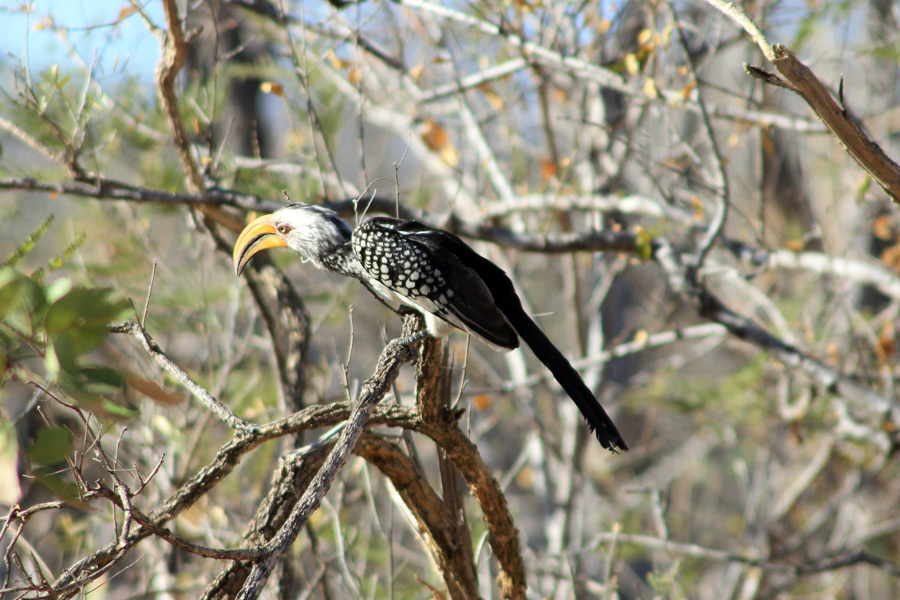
723 198
734 12
107 189
451 553
827 563
30 140
196 390
149 293
743 328
171 537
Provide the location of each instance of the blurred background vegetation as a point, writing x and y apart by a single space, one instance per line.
749 476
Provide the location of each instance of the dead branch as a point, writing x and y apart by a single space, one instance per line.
800 79
373 390
864 150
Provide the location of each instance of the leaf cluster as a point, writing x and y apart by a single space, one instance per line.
48 331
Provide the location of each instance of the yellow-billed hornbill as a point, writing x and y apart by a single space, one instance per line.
429 270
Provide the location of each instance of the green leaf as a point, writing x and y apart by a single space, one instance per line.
60 488
83 309
118 411
95 388
58 289
644 241
88 381
105 377
51 446
100 405
64 349
52 364
12 290
56 262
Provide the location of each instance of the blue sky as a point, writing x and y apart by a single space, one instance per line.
94 29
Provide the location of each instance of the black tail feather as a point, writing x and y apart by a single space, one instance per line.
507 300
566 375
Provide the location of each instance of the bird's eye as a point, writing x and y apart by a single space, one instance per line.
283 229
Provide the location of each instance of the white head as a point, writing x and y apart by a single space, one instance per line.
313 232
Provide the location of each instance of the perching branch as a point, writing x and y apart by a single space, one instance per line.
373 390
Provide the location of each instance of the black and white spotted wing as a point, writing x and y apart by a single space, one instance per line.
427 269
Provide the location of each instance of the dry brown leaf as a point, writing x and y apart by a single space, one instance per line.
523 6
768 145
270 87
698 208
883 227
338 63
797 436
434 136
548 169
45 23
833 355
525 478
483 401
887 344
154 391
678 163
126 11
891 257
491 96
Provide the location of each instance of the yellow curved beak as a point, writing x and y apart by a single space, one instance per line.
257 236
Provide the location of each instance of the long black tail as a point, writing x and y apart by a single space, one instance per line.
564 373
507 300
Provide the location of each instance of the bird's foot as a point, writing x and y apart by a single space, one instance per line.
412 339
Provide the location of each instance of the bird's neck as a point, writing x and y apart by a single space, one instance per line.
342 260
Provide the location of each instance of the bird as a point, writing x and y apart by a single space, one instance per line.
407 263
